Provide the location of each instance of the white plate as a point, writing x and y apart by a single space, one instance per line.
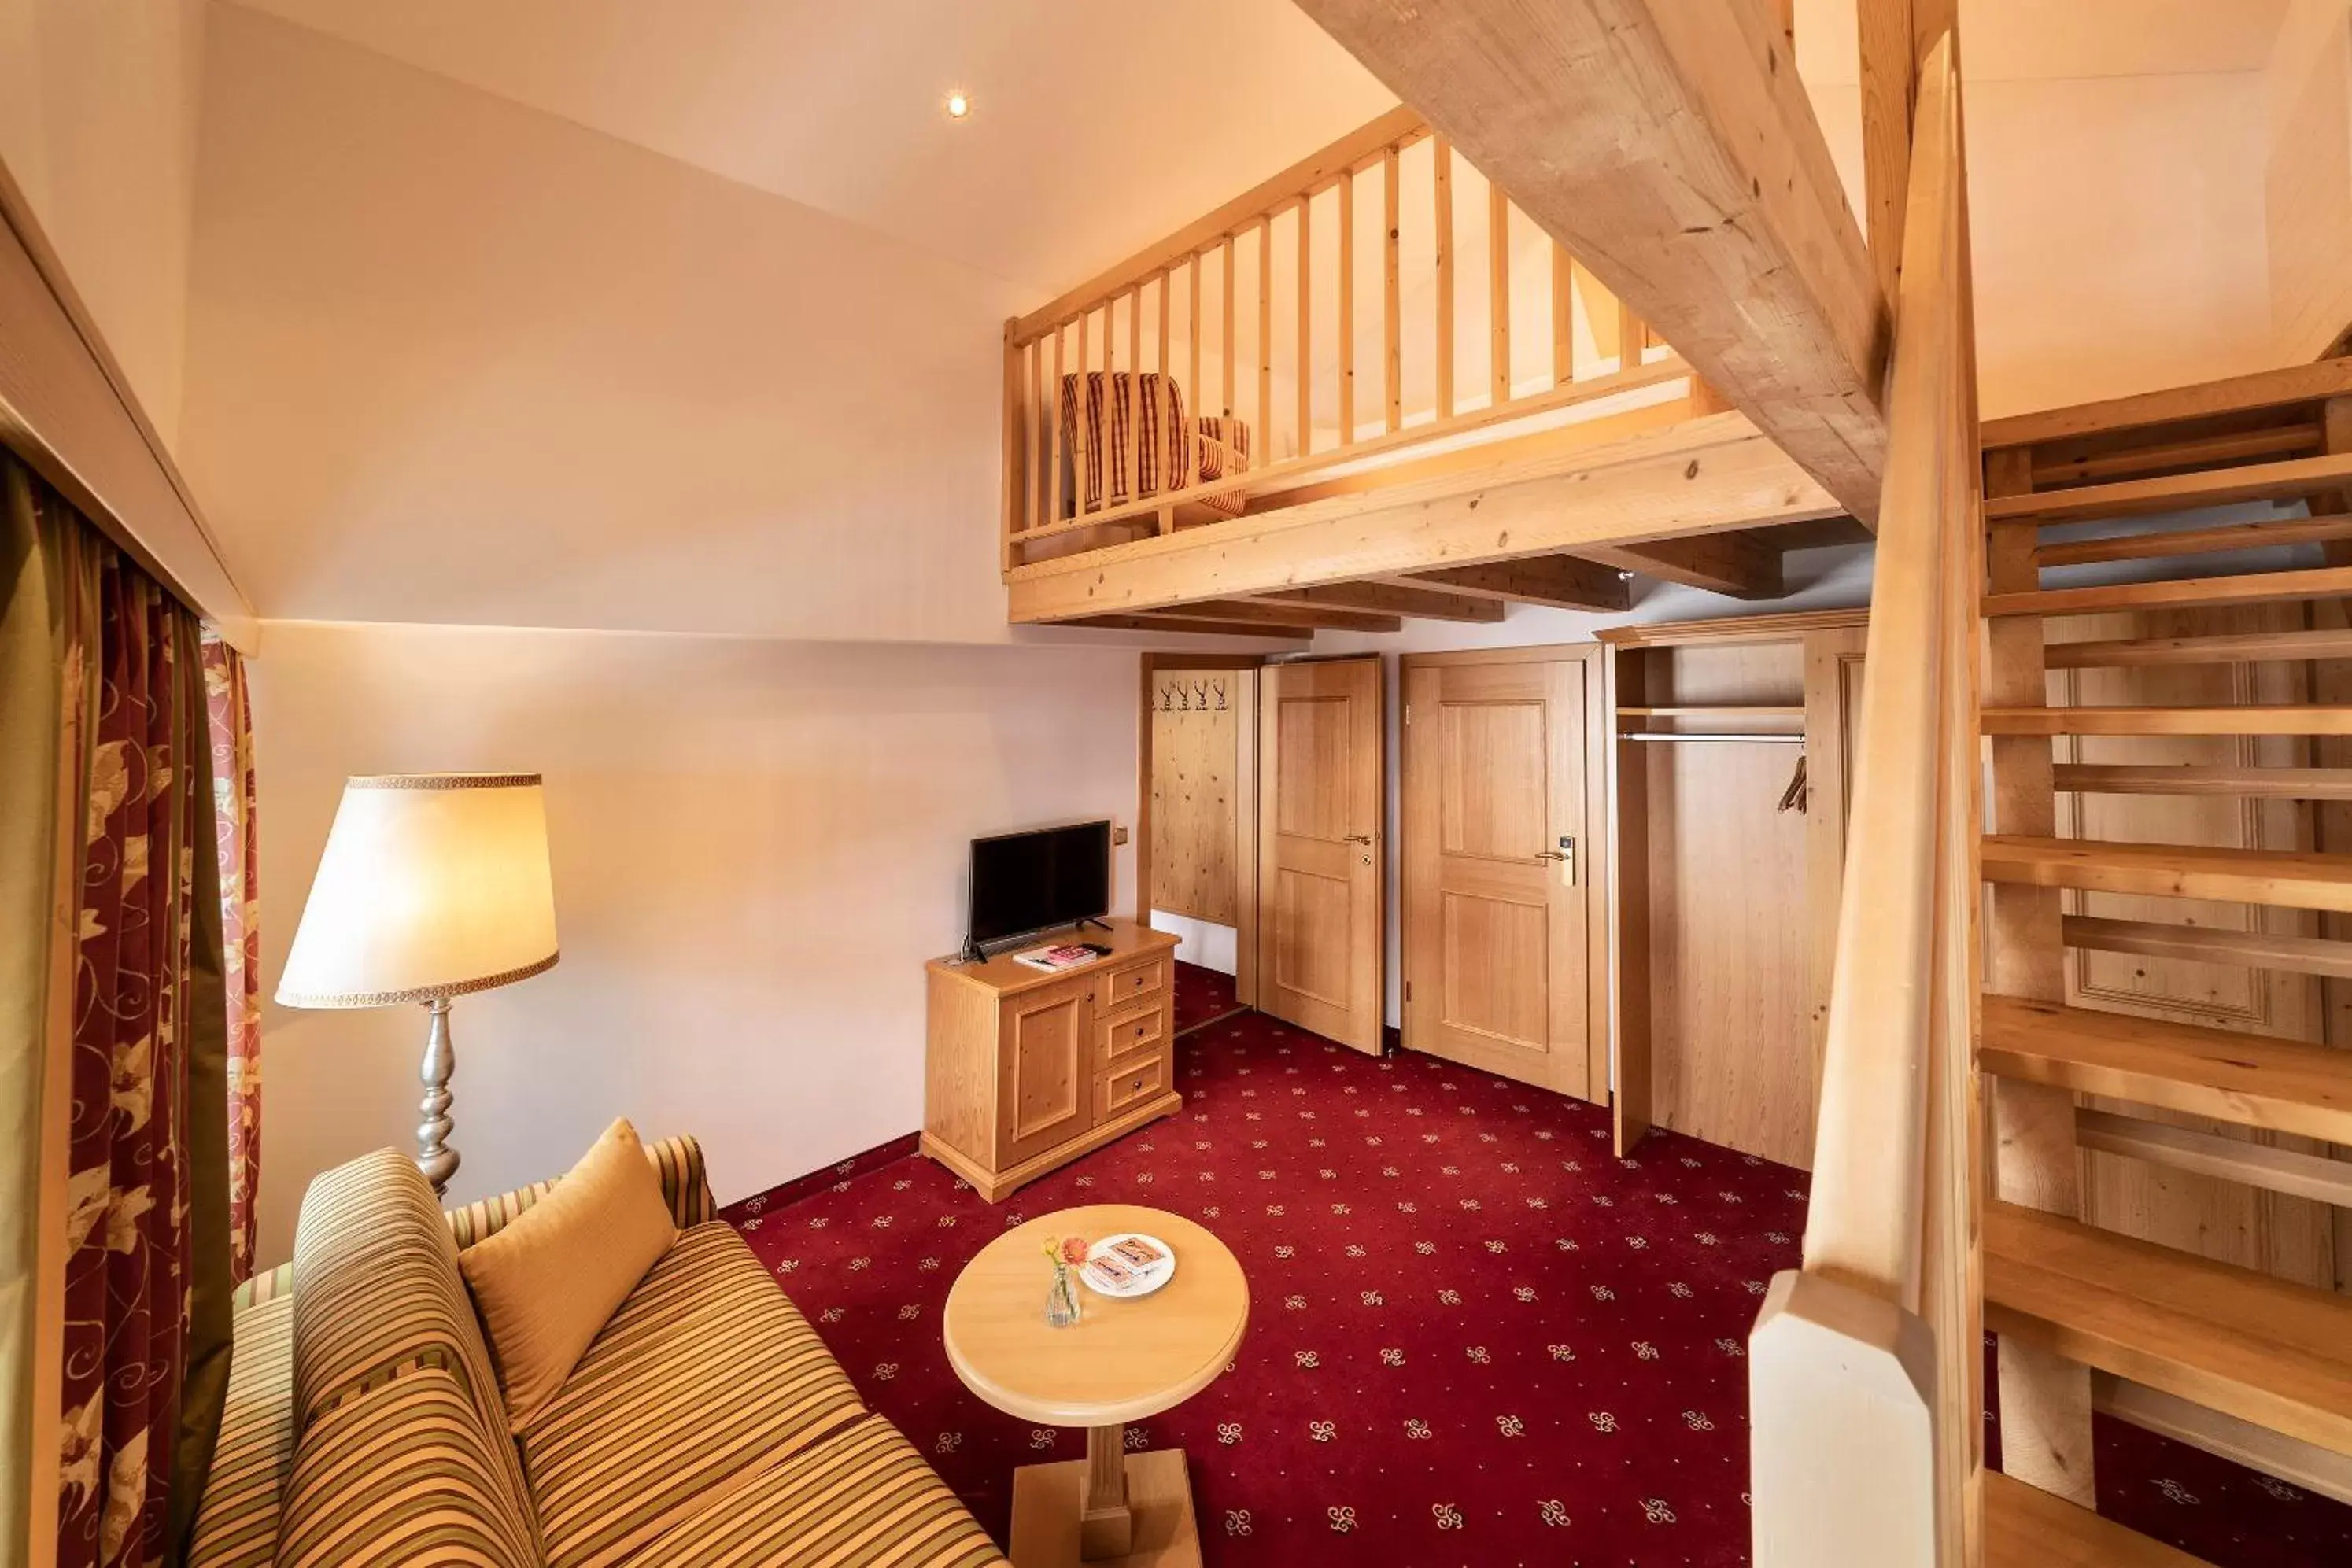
1147 1281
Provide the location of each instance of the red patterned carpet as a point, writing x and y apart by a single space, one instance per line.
1475 1337
1202 996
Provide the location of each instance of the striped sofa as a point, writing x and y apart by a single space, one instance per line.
706 1424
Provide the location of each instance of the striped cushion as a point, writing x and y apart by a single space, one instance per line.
237 1519
404 1473
677 1161
377 1291
707 1375
1101 415
269 1287
862 1499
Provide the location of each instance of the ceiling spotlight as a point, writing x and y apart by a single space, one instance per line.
959 105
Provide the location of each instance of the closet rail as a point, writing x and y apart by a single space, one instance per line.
1864 1363
1220 366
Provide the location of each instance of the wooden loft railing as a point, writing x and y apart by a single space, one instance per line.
1865 1365
1271 288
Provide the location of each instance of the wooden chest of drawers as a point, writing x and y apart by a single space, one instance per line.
1027 1070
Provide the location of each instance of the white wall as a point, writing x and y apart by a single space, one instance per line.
2118 230
755 842
455 359
99 104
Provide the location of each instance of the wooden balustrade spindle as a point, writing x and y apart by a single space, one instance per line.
1305 326
1443 183
1392 304
1054 435
1193 332
1228 405
1563 316
1266 335
1077 470
1347 302
1498 293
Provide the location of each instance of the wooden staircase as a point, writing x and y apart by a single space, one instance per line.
2068 1296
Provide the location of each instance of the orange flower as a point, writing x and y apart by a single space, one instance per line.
1074 1248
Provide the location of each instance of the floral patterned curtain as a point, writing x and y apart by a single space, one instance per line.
233 823
144 1205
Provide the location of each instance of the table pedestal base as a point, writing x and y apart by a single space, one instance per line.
1048 1501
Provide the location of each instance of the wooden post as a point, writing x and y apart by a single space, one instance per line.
1193 334
1444 180
1392 307
1889 74
1631 337
2045 1399
1347 308
1499 295
1016 432
1106 1523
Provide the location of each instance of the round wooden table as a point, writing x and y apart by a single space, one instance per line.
1122 1360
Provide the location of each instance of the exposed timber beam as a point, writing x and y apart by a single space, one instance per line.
1555 581
1703 476
1671 147
1188 625
1258 613
1391 598
1739 565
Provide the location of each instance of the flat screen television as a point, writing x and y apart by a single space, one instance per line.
1035 880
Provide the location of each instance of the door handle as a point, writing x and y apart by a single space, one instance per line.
1566 856
1357 839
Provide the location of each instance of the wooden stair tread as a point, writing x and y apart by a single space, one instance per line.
2178 779
2210 945
2244 718
2254 1080
2289 878
2172 405
2228 1338
2292 478
2230 648
2197 541
2245 588
2025 1527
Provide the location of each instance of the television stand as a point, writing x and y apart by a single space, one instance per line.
1028 1069
1085 921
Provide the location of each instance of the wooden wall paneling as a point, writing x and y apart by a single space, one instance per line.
1195 755
1240 671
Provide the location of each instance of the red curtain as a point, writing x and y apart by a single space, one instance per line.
145 1295
234 822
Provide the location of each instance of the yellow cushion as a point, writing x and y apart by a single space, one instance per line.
545 1283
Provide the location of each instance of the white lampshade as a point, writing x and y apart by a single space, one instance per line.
433 885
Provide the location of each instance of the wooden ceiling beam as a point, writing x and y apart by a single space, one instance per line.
1704 476
1739 565
1391 598
1189 626
1671 148
1259 613
1554 581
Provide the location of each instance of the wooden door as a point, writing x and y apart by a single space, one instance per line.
1498 859
1322 779
1044 1095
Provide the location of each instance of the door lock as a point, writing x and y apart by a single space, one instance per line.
1566 856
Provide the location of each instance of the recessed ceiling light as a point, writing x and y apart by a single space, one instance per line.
959 105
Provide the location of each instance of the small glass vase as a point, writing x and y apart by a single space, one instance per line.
1061 1299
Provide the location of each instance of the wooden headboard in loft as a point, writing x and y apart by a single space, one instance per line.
1259 313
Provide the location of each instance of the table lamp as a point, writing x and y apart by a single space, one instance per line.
433 885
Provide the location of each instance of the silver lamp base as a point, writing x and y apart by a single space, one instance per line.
435 1158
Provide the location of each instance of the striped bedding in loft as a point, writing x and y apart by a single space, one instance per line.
1105 465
